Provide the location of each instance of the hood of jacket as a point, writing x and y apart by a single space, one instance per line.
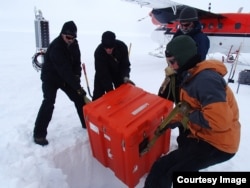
214 65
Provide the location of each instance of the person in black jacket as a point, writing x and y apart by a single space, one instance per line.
112 65
191 26
61 70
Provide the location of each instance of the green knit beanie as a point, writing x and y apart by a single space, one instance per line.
182 48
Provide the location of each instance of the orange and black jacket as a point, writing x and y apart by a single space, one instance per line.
214 116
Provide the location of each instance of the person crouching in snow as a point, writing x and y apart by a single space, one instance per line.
213 137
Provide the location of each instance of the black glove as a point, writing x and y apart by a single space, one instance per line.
82 93
159 131
127 80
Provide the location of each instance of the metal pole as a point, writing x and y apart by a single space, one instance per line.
86 78
129 49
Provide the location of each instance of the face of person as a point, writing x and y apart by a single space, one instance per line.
186 27
68 39
172 62
109 50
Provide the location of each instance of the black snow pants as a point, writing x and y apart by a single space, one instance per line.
46 110
194 155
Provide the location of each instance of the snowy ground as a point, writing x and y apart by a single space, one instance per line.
67 161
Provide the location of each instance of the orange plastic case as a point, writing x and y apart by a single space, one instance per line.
120 123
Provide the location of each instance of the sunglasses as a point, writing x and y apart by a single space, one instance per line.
106 48
68 37
186 24
168 54
171 61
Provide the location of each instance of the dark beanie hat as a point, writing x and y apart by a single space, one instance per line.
108 39
188 14
69 28
183 48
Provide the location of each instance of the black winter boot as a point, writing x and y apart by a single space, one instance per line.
41 141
